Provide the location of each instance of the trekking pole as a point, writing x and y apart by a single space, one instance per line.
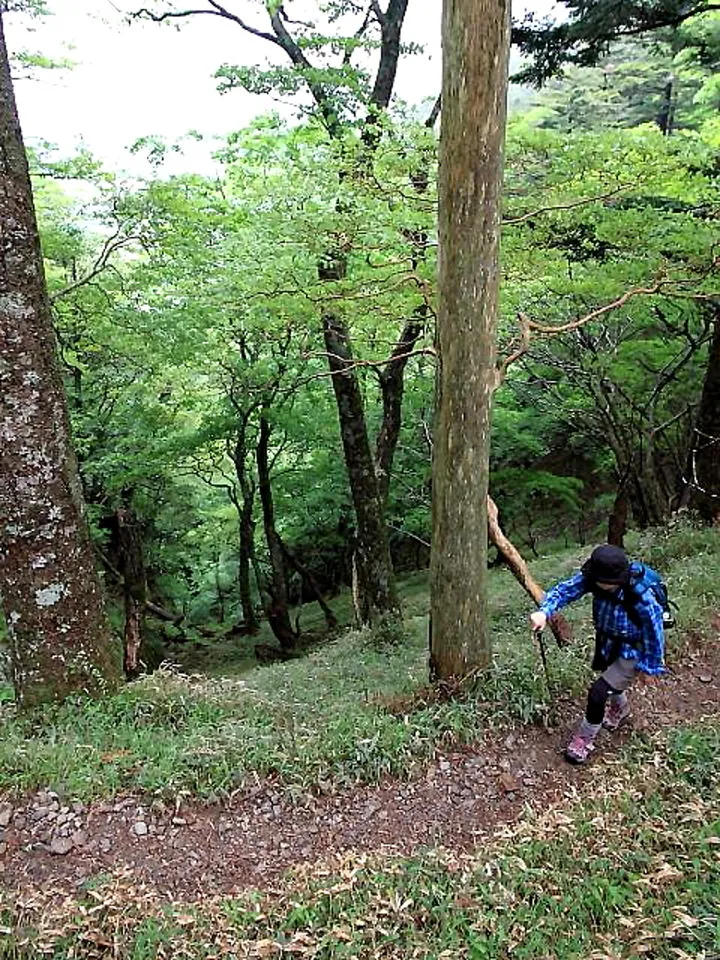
543 657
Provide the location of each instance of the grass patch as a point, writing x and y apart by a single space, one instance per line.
319 722
631 870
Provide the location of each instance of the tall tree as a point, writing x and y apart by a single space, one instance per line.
475 37
60 640
341 93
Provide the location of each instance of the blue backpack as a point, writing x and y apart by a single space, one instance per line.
642 579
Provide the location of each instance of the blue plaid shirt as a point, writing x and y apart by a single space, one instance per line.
646 644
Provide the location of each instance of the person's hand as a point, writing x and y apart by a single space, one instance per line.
538 620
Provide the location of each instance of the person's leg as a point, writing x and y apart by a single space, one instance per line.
613 682
582 741
619 676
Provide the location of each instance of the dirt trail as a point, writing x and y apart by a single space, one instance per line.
195 851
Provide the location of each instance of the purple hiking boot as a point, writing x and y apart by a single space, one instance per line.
616 712
579 748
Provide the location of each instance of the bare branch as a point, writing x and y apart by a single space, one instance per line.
217 11
522 349
377 10
434 113
291 48
546 330
528 326
678 416
567 206
407 533
391 23
359 33
111 245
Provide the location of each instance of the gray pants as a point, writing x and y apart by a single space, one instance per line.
620 674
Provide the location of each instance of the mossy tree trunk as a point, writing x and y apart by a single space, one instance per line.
475 60
60 640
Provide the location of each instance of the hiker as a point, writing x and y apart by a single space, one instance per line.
628 614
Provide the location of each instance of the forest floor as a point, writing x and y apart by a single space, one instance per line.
190 850
325 809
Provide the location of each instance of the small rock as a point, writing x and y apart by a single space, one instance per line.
105 844
444 766
20 822
140 829
3 847
39 813
5 814
705 678
509 783
61 846
79 838
178 821
78 807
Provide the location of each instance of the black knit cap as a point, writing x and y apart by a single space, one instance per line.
607 564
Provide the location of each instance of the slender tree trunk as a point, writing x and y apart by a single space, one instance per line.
702 474
247 546
60 639
278 612
645 494
561 629
132 567
309 580
617 522
475 37
374 586
247 529
665 116
392 385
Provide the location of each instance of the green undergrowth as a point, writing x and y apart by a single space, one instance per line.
630 869
347 712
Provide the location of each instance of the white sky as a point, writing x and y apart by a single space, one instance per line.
141 79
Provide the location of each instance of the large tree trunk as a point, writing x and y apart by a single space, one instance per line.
278 613
511 555
702 475
60 640
374 580
475 61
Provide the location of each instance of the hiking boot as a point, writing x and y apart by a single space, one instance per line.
616 712
579 748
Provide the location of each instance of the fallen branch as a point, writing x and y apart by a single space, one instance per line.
558 624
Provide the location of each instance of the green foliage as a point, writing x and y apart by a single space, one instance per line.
668 80
590 28
208 307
